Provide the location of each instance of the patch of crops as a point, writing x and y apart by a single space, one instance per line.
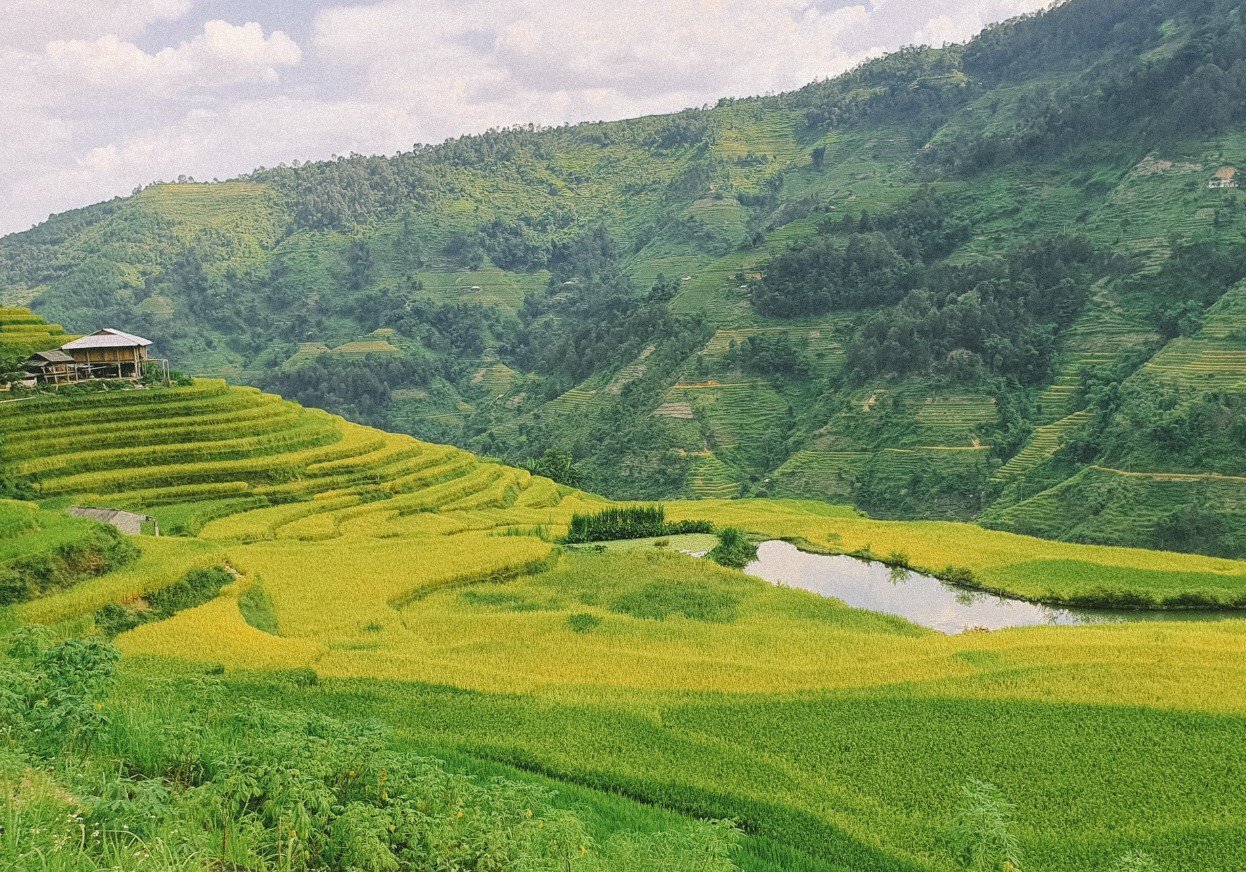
629 522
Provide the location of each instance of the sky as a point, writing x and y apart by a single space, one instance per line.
98 97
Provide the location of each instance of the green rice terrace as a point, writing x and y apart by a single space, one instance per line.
509 500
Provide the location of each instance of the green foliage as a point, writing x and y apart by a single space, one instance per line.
211 782
558 465
583 622
881 261
257 609
775 357
193 589
734 549
968 217
51 693
998 319
984 822
629 522
1132 95
1135 861
42 552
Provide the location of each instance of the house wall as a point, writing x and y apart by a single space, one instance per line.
109 355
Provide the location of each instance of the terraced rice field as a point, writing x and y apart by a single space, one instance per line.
22 333
306 354
414 580
820 343
496 379
1071 511
1058 399
954 420
240 210
362 347
714 290
490 286
713 479
223 450
738 416
821 474
574 400
1202 363
1041 446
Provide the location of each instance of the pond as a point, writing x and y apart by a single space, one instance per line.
923 599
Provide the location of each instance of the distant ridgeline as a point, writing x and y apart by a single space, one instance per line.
998 281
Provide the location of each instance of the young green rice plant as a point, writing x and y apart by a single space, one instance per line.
984 834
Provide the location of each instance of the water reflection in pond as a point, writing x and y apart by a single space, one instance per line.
922 599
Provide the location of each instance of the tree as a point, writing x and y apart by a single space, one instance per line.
558 465
359 265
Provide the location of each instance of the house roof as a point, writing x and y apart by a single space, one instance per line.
53 356
106 338
107 516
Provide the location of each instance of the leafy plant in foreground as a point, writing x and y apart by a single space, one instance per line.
50 694
983 832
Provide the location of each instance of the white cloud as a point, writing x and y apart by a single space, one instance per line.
32 23
223 54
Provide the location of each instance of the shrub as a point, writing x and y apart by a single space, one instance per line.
629 522
626 522
50 693
35 575
193 589
984 835
733 549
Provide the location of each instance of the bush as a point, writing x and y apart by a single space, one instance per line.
733 549
193 589
102 550
629 522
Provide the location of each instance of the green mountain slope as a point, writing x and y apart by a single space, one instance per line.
947 284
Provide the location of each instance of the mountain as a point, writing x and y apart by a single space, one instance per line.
996 281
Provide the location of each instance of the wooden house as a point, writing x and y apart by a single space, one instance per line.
53 367
108 353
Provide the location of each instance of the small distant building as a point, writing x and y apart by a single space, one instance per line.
53 367
1225 177
127 522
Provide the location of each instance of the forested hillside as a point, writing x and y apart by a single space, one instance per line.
999 281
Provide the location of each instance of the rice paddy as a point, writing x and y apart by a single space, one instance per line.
421 584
